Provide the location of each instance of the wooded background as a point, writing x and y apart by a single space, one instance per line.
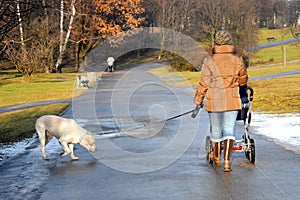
44 35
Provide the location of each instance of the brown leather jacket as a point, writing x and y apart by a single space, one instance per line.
221 76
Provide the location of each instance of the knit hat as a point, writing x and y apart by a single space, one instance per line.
223 37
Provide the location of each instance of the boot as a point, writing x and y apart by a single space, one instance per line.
228 147
216 153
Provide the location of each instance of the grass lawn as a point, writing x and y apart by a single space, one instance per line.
176 78
275 55
42 87
17 125
262 71
278 95
278 34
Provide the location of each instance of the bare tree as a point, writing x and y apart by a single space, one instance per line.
266 14
24 61
8 19
38 52
242 22
294 13
96 21
63 42
237 16
169 15
211 17
280 10
15 16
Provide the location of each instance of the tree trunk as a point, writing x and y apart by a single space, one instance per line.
77 57
70 25
47 68
21 26
59 59
63 44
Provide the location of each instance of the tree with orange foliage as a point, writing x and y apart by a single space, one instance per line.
97 20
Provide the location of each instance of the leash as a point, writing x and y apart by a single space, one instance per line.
122 134
194 113
180 115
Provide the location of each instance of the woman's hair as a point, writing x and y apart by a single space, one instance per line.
223 37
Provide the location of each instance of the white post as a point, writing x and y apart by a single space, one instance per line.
284 57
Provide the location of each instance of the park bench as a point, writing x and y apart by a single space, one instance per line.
271 39
82 81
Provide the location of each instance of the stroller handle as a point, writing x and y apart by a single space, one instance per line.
251 92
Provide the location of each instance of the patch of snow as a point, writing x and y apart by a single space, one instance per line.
284 129
15 148
80 121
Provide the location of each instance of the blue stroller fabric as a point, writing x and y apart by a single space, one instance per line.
242 114
244 94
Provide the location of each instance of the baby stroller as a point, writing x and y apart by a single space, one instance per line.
111 66
246 144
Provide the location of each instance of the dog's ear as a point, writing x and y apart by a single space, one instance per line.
89 140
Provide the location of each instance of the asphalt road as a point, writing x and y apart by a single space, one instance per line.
272 44
160 160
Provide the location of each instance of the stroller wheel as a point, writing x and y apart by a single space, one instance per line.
208 149
250 153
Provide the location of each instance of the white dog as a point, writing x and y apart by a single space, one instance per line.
68 133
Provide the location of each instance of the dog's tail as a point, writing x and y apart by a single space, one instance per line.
42 131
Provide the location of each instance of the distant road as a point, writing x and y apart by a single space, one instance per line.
32 104
272 44
270 76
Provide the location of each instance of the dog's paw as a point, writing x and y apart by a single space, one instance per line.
64 154
75 158
46 158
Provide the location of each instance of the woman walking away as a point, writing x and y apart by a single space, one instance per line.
221 76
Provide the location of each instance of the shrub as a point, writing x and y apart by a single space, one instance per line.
180 64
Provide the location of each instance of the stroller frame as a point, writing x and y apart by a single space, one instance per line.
246 144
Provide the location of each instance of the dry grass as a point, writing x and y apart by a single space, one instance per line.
171 76
274 54
262 71
278 95
278 34
42 87
17 125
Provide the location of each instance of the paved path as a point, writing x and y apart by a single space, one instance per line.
32 104
270 76
142 171
272 44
